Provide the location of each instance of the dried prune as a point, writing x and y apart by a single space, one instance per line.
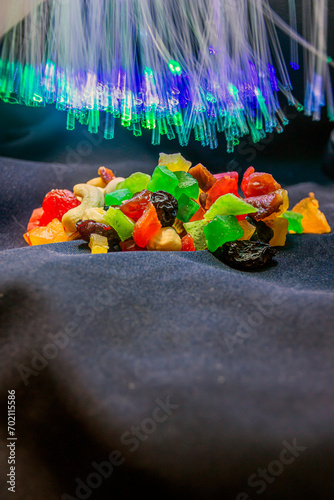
166 207
246 255
87 227
262 232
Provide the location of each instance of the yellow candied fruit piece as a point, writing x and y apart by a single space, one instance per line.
248 230
314 221
174 162
98 243
280 227
52 233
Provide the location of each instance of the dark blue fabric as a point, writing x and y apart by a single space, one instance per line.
95 345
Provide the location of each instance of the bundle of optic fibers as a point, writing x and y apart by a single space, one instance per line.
211 68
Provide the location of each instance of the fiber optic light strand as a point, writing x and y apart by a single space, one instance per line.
175 71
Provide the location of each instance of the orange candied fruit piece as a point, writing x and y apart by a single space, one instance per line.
52 233
106 174
187 244
258 183
146 226
314 221
204 178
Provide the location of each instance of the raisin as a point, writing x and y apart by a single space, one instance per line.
87 227
166 207
247 255
262 232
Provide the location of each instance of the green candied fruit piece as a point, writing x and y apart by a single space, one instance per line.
187 185
135 183
295 221
196 231
187 208
120 222
220 230
117 197
163 180
229 204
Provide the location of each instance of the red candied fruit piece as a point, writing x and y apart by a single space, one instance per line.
56 203
187 244
130 246
199 215
225 185
202 175
35 219
135 207
258 183
146 226
229 174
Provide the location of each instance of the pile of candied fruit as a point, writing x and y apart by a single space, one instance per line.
178 208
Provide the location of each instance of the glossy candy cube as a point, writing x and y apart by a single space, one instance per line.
135 207
117 197
120 222
229 204
226 184
295 221
204 178
146 226
163 180
174 162
196 231
52 233
314 221
220 230
135 183
187 208
187 185
98 244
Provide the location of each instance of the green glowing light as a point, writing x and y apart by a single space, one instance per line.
37 98
175 67
148 72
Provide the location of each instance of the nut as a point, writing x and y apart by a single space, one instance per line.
91 197
97 182
111 186
96 214
166 239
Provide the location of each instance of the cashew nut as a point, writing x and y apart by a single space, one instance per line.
97 182
111 186
96 214
91 197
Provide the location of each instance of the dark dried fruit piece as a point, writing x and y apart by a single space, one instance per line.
202 199
166 207
269 204
263 232
88 227
247 255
